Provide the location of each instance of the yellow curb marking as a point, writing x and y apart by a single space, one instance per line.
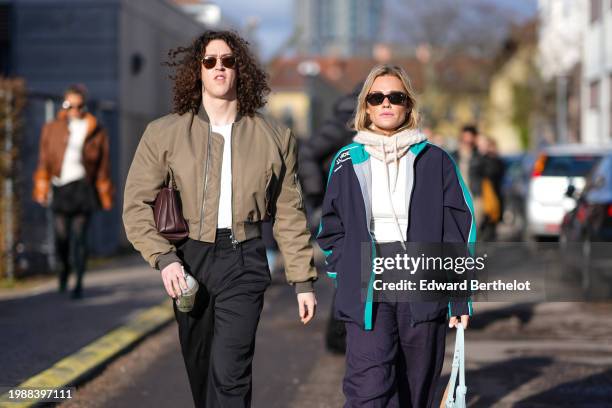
70 368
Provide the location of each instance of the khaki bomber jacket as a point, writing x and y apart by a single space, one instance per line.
264 186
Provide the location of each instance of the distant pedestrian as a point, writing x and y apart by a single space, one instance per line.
492 173
469 159
316 157
74 166
317 152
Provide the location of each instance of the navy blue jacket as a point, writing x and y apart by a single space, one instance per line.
439 209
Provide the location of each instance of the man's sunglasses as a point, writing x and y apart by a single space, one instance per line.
228 61
396 98
67 106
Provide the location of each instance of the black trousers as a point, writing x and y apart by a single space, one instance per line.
218 336
71 245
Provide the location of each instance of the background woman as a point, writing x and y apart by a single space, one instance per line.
74 161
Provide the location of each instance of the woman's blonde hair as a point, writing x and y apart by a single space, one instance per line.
362 121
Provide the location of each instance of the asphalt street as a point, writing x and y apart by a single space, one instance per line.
40 326
518 354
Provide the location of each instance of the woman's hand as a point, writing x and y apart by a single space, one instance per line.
453 321
307 305
173 276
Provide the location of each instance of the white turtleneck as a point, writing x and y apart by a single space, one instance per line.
383 226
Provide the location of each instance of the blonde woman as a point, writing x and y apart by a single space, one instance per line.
388 188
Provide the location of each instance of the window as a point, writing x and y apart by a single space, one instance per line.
5 38
594 95
595 10
570 165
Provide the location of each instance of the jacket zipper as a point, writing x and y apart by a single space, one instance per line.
266 199
205 180
232 237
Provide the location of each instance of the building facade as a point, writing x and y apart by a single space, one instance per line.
597 72
342 28
115 48
558 59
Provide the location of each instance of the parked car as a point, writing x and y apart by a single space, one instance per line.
554 170
586 231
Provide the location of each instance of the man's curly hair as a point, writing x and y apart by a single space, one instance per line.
252 85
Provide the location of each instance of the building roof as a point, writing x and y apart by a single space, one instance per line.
457 73
188 2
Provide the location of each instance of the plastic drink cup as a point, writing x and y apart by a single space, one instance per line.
185 302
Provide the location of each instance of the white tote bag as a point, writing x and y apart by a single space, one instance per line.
456 397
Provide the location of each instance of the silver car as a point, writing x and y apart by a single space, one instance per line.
554 170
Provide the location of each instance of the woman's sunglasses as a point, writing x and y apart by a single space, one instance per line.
396 98
228 61
67 106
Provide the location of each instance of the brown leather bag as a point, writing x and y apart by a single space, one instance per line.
168 213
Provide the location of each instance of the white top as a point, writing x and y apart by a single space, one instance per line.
72 166
383 225
224 219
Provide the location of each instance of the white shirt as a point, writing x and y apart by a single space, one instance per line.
383 225
224 218
72 165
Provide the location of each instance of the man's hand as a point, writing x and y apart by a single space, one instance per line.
174 279
307 304
453 321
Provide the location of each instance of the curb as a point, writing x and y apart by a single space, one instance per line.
75 368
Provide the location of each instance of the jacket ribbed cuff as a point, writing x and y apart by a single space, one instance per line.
304 287
166 259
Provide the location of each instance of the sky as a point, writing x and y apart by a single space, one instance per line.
275 20
276 17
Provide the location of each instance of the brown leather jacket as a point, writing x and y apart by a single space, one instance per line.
53 143
264 186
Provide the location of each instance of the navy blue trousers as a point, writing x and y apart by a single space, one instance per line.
395 364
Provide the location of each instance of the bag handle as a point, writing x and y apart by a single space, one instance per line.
170 179
458 401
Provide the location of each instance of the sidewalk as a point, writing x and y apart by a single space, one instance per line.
40 326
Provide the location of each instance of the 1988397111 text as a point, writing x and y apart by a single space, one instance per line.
17 394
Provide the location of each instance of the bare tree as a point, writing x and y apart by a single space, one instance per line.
473 27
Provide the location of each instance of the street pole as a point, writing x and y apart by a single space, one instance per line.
8 185
561 108
50 247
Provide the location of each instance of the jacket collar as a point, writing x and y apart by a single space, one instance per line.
204 116
92 122
359 153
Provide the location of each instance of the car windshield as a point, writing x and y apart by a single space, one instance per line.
569 166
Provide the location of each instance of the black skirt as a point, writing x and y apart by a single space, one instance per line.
76 197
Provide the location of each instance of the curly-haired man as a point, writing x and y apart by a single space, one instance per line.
234 168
